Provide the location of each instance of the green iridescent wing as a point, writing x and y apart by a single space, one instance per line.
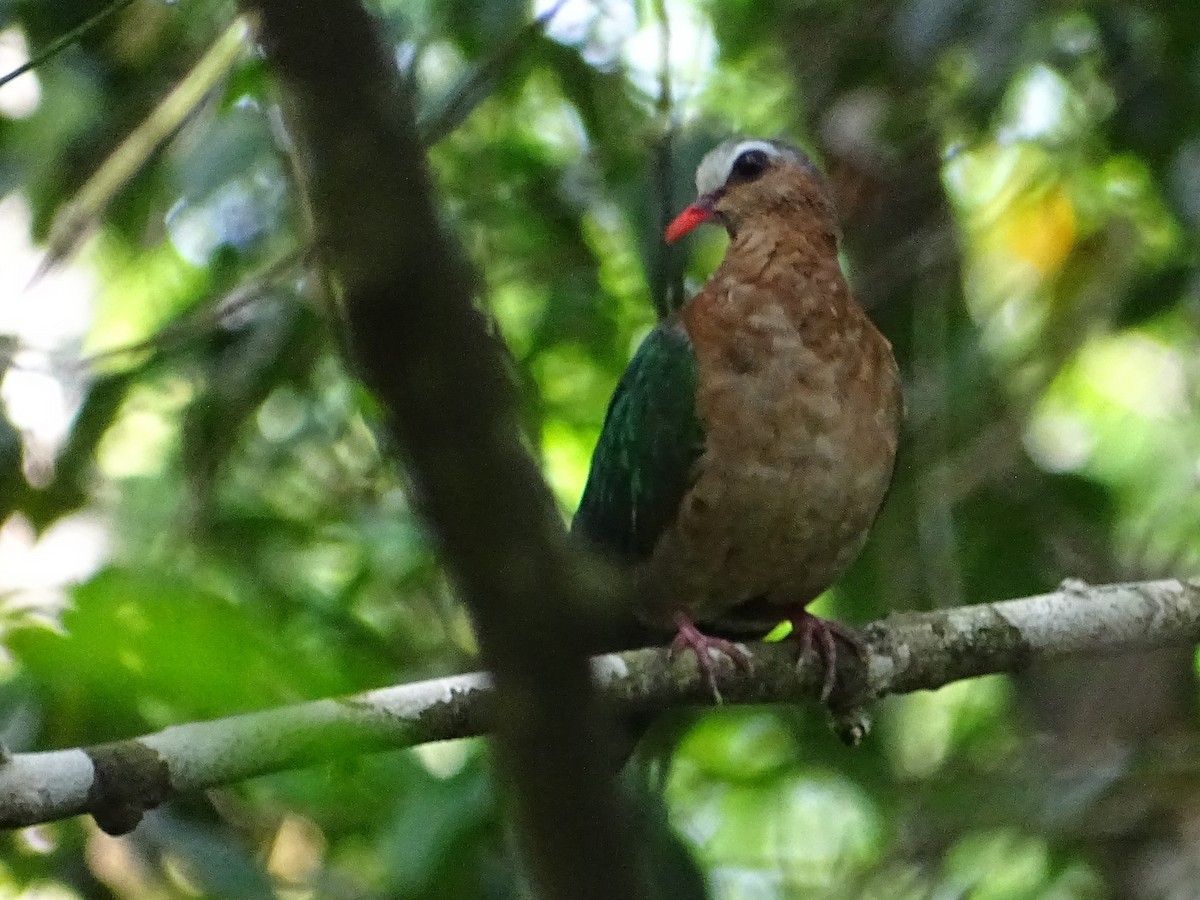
644 461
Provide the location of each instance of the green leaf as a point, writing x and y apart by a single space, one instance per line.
142 649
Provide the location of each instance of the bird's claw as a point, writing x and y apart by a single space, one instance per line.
821 635
701 645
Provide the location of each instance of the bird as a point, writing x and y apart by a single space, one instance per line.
751 440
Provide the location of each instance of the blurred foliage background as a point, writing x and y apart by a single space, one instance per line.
199 519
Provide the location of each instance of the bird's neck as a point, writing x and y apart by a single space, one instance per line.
776 271
792 239
785 253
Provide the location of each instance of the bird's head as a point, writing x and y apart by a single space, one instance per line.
745 180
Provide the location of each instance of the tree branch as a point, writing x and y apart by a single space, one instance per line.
909 652
425 352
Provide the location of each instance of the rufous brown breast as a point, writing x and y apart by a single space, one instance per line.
799 396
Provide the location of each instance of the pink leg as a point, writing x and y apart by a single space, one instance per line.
691 638
815 633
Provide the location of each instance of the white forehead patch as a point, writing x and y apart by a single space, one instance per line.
714 169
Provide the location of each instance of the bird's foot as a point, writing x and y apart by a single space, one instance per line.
702 645
814 633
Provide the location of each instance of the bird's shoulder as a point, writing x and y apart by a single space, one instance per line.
649 443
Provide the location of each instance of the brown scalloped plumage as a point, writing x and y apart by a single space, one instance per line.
800 399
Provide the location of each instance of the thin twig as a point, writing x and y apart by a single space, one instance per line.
197 321
77 216
475 86
666 262
65 40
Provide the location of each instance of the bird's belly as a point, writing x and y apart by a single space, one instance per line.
790 482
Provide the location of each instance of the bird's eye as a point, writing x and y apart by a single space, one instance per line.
749 165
